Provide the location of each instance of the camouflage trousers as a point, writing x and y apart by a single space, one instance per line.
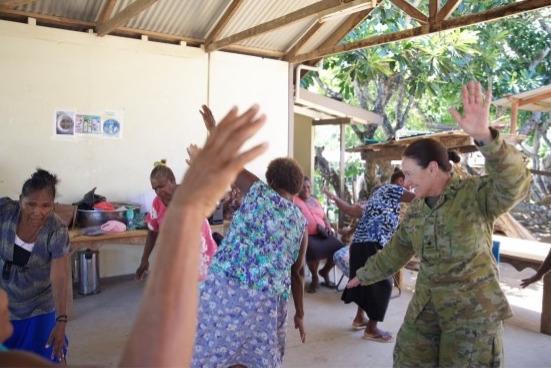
424 343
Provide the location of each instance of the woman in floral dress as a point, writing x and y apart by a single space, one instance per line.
243 302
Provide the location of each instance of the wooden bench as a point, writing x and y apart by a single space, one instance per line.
523 254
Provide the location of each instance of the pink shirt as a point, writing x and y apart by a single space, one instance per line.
313 212
208 245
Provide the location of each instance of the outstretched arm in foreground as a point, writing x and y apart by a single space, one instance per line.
164 331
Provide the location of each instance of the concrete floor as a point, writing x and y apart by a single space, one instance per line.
101 323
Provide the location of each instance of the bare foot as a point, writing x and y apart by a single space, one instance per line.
311 288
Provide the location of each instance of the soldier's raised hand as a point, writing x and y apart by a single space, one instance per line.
476 110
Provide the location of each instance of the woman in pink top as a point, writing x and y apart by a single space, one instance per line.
322 243
164 184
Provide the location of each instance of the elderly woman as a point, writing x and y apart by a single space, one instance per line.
322 243
33 258
164 184
243 302
455 316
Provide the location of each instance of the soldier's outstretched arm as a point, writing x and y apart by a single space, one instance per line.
388 261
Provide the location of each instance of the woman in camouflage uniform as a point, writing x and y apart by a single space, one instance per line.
455 316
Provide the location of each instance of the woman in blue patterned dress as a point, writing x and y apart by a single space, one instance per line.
378 221
243 302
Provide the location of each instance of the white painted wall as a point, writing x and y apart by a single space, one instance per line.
159 88
244 80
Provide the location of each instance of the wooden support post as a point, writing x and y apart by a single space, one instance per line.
341 161
514 117
545 326
341 170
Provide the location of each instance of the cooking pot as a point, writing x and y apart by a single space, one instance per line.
86 218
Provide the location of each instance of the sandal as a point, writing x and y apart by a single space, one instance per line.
359 326
384 337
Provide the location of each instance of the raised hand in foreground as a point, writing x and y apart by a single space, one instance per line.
164 331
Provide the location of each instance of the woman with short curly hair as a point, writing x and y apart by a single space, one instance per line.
243 302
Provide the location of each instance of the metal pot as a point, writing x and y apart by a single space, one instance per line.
86 218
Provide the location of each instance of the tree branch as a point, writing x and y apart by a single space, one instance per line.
328 91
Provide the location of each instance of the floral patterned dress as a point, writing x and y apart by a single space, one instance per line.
243 302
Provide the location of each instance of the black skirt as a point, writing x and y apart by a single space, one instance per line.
322 248
373 299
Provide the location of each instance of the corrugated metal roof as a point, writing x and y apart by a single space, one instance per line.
195 18
281 39
255 12
86 10
321 35
190 18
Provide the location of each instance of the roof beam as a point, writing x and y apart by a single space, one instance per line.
12 4
47 19
303 39
345 28
489 15
123 16
447 10
319 9
223 22
106 11
333 121
411 11
534 99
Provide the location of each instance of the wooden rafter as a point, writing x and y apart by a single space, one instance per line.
123 16
490 15
345 28
223 22
411 11
106 11
447 10
303 39
319 9
12 4
434 5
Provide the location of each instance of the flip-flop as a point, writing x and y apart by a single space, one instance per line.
359 326
383 338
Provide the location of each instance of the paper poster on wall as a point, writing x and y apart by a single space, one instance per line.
111 124
64 123
87 124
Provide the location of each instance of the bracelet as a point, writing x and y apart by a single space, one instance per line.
62 318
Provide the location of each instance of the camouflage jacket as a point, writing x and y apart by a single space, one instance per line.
453 240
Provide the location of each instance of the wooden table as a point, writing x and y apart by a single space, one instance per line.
523 254
79 241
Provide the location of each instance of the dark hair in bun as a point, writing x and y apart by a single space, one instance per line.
453 156
40 179
426 150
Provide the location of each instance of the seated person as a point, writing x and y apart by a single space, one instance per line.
322 243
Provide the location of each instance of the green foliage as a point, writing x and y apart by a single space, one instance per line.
509 54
